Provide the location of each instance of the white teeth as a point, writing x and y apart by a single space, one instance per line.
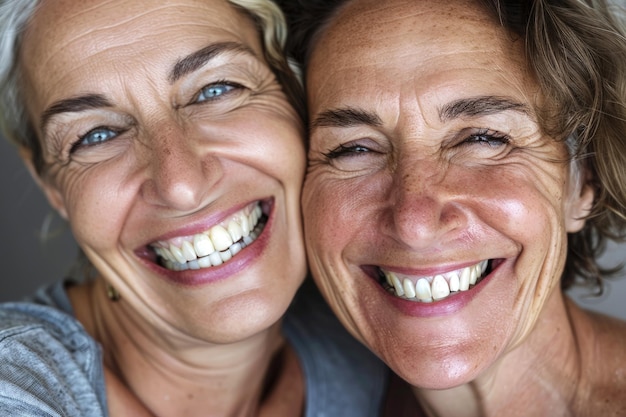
422 289
427 289
205 262
213 247
178 254
236 248
397 285
202 245
220 238
409 288
440 288
216 259
256 214
226 255
245 226
464 280
473 275
454 283
189 252
235 231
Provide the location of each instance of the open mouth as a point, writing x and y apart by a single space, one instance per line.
214 246
434 288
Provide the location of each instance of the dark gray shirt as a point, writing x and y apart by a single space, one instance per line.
49 365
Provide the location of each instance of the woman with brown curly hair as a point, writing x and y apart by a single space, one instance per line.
466 164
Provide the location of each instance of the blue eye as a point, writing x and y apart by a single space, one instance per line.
95 137
214 91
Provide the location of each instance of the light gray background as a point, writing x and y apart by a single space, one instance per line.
28 260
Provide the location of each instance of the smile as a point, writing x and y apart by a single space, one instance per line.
215 246
434 288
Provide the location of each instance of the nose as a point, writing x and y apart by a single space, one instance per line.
181 170
425 209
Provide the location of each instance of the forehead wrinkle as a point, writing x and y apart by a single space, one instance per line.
123 25
77 36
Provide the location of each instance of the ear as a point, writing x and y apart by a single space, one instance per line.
578 207
55 198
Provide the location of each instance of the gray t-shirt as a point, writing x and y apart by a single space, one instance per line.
49 365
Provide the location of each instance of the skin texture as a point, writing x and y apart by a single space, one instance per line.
411 188
174 165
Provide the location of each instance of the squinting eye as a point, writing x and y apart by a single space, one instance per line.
357 157
487 137
213 91
94 137
343 150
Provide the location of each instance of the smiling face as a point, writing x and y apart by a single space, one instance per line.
175 156
436 211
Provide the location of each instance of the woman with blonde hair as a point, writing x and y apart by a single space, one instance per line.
168 135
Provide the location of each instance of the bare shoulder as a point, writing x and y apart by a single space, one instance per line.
602 343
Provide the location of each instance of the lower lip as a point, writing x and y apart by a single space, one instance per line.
448 306
238 263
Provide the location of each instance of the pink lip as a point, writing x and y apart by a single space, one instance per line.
198 277
447 306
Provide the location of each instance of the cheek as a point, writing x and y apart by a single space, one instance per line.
97 204
335 211
515 201
526 210
269 142
331 219
319 213
326 233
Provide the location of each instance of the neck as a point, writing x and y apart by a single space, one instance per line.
538 377
166 373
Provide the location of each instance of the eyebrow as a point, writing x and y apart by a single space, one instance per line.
198 59
346 117
480 106
466 107
74 104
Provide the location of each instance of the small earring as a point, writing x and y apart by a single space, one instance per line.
112 293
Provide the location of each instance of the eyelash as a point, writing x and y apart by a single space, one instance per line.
343 150
230 86
488 137
81 138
